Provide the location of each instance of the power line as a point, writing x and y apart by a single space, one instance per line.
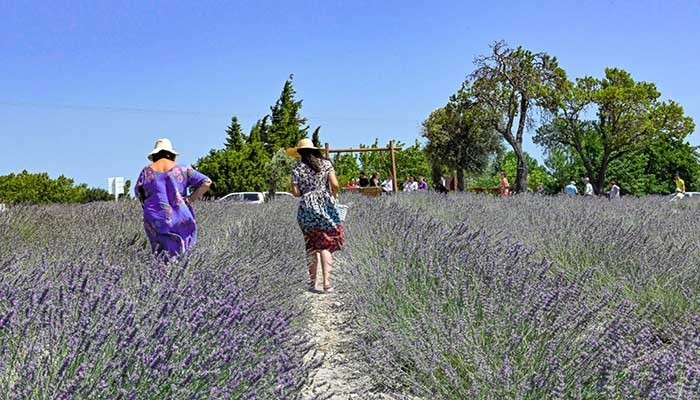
117 109
140 110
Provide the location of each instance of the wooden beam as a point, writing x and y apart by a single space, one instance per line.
362 150
393 166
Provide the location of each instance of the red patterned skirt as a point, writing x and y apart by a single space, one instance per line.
325 239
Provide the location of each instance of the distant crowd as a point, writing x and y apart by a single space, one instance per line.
504 188
387 185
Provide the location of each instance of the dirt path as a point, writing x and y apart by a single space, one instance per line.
341 374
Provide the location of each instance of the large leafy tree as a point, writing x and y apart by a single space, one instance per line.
629 118
277 171
563 166
346 168
235 171
287 126
39 188
508 84
460 136
410 160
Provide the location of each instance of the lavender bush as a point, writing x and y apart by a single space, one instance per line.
474 297
85 311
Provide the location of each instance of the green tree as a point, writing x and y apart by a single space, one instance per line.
234 135
315 137
287 126
346 168
508 84
374 161
94 194
508 162
235 171
278 171
460 137
563 166
667 156
39 188
259 132
410 160
629 119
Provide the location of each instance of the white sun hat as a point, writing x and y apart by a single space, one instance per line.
162 145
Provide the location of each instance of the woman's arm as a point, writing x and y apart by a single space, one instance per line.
333 183
199 192
295 190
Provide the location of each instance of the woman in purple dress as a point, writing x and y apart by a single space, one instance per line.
168 216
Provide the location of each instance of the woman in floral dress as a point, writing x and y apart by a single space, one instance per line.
314 181
168 216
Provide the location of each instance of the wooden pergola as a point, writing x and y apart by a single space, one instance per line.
391 149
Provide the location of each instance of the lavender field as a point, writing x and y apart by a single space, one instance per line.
86 313
451 297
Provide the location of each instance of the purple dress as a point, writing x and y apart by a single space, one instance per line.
168 219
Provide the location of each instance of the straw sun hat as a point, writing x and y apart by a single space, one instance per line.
303 144
162 145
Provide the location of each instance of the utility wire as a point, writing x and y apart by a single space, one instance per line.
139 110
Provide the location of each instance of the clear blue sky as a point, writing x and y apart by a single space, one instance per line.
86 87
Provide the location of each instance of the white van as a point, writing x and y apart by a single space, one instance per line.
244 197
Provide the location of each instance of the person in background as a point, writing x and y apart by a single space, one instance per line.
540 188
504 185
410 185
352 184
614 191
388 185
374 180
168 216
680 183
588 190
314 181
422 184
364 181
407 184
570 189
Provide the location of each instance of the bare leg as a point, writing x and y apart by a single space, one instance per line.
313 267
326 265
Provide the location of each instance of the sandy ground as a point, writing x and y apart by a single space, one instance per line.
341 375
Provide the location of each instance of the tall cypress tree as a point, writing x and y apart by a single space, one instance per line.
287 126
315 137
234 135
254 135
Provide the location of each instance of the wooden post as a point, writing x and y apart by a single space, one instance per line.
326 152
394 184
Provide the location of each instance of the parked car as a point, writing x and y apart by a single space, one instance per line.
244 197
282 194
685 196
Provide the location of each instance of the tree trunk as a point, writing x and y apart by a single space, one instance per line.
436 174
599 183
460 180
522 172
